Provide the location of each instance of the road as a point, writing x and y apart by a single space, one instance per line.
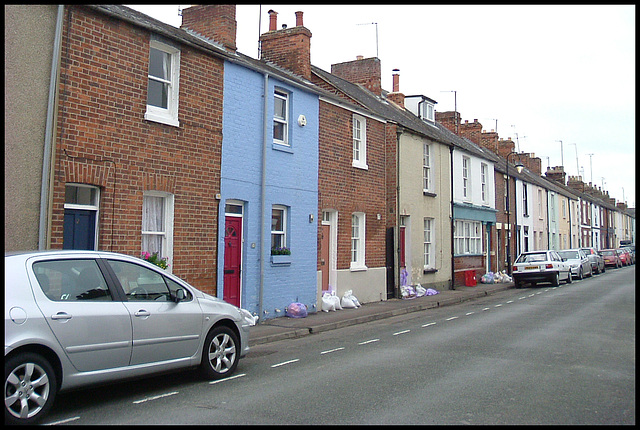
543 355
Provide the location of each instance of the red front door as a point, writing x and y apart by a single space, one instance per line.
324 257
232 259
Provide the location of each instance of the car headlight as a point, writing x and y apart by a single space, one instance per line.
248 318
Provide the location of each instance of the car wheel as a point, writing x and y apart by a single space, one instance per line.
29 388
580 274
604 269
569 277
554 280
220 354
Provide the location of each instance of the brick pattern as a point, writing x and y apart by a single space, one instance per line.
363 71
289 49
214 21
103 140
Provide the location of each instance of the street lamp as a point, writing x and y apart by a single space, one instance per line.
519 166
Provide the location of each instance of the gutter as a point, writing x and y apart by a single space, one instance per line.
45 190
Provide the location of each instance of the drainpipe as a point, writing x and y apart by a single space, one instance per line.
263 186
396 234
452 223
48 135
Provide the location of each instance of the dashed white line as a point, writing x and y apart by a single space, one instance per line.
520 298
285 362
332 350
509 301
469 313
68 420
428 324
452 318
486 309
155 397
401 332
498 305
368 341
228 379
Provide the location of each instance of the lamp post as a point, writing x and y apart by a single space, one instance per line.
519 166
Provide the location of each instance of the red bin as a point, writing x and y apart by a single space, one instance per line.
470 278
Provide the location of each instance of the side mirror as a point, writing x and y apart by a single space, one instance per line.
178 296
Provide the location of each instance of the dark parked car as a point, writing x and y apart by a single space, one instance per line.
597 262
76 318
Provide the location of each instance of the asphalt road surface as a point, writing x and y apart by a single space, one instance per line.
542 355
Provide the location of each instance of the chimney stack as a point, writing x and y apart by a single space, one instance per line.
289 48
362 71
213 21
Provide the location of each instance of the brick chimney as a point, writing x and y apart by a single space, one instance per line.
289 48
363 71
489 140
472 131
531 162
214 21
556 174
575 183
396 96
450 120
506 146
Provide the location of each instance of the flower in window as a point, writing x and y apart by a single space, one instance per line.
280 251
155 259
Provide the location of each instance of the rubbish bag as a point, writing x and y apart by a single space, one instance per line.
488 278
327 303
420 290
431 292
336 301
407 292
349 300
297 310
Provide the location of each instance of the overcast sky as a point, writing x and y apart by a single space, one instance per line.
538 74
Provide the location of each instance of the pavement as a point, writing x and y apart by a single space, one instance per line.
275 329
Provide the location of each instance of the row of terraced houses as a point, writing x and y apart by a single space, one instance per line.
263 181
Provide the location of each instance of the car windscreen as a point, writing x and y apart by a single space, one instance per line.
569 255
532 258
608 252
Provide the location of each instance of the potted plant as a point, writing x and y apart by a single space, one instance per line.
280 255
155 259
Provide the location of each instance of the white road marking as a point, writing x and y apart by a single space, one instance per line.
401 332
509 301
452 318
332 350
368 341
428 324
68 420
469 313
498 305
155 397
486 309
285 362
228 379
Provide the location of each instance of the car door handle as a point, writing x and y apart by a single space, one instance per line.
61 316
142 313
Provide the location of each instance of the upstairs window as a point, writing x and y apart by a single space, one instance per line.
483 182
281 118
428 111
359 142
525 200
426 168
162 89
466 166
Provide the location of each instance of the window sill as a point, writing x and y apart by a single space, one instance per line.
281 260
283 147
360 165
425 271
429 194
149 116
355 268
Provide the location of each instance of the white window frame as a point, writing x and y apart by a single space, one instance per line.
484 169
467 237
427 183
525 200
93 206
282 95
358 237
466 185
282 233
166 232
169 115
359 130
428 244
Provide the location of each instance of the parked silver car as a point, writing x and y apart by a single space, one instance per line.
540 266
578 261
75 318
597 261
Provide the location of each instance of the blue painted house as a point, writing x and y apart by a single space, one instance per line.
267 246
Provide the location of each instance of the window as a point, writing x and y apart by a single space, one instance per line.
525 200
429 111
359 142
81 221
72 280
483 181
428 243
157 224
278 227
540 204
141 283
466 164
426 167
564 208
281 118
162 89
357 240
467 237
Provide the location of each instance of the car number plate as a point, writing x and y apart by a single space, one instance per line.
531 268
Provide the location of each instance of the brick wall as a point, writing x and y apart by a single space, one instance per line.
103 140
348 189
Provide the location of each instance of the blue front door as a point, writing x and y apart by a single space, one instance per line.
79 229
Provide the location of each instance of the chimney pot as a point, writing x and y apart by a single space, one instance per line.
359 57
396 80
273 20
299 19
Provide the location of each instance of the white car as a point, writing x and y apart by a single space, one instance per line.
578 261
76 318
540 266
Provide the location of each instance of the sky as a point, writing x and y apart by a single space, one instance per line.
559 80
